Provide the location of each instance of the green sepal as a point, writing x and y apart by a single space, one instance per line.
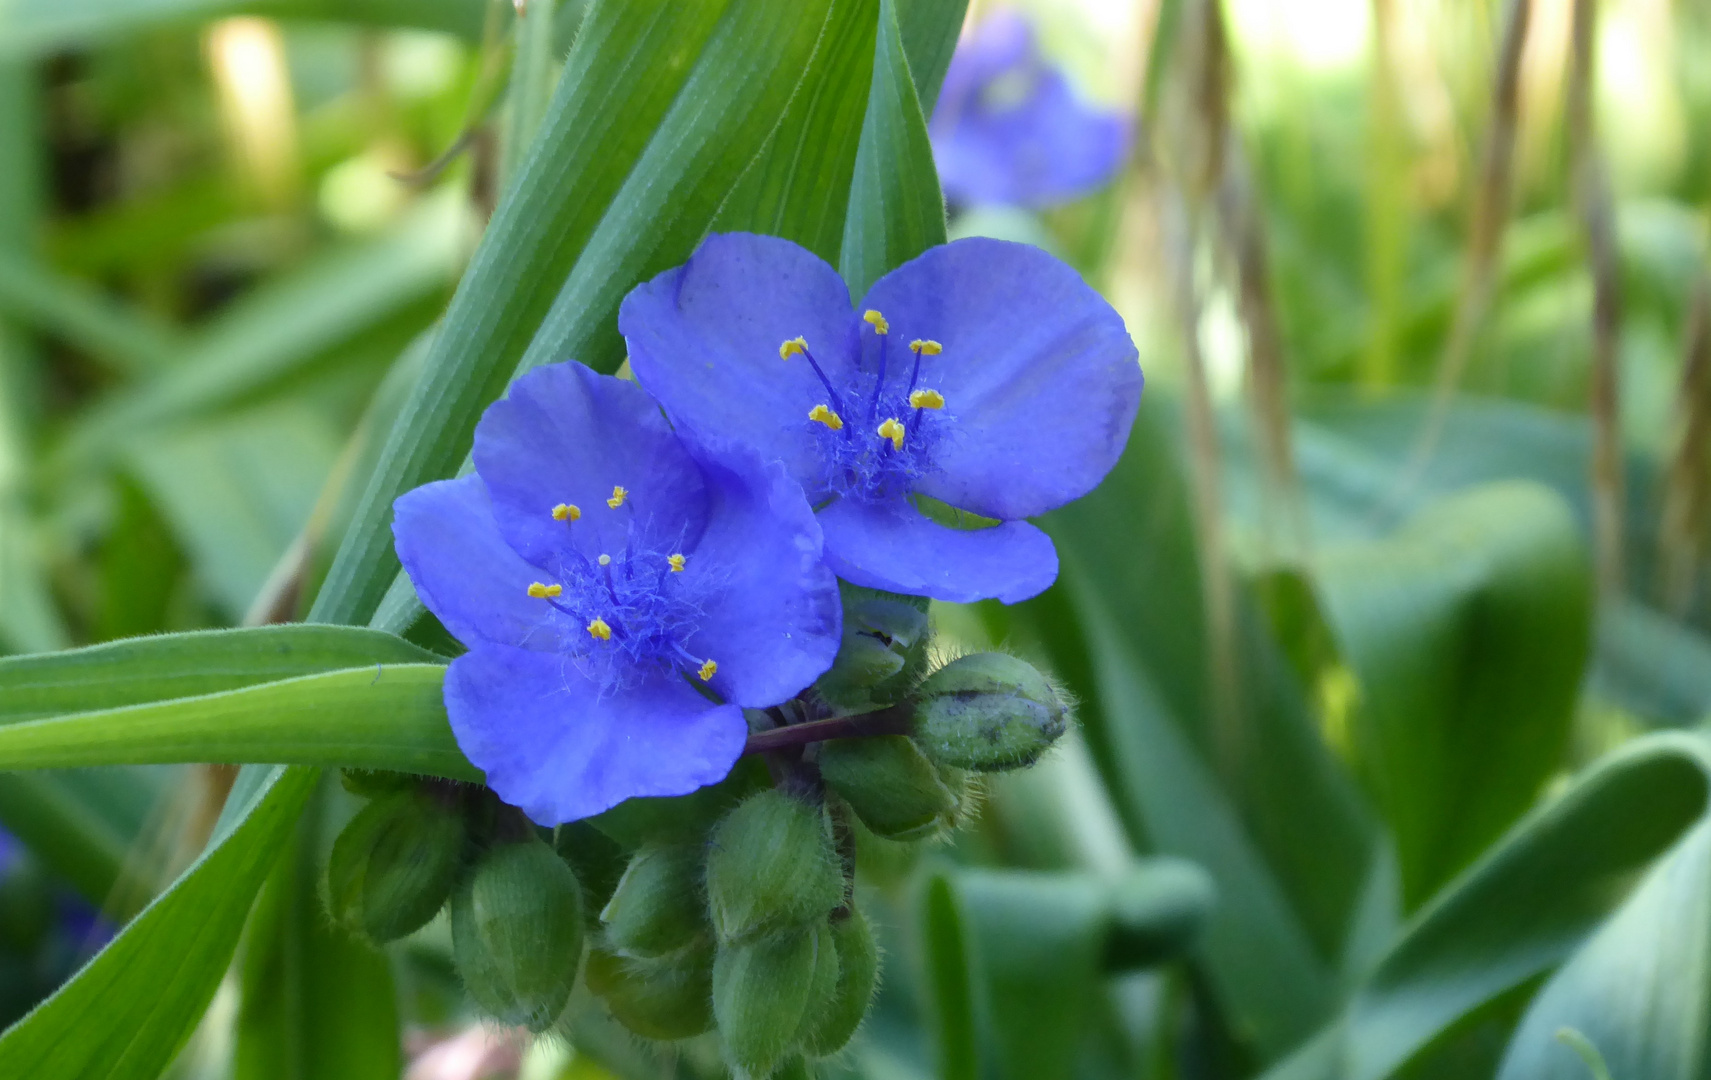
658 906
394 864
665 998
858 975
771 864
889 784
768 988
883 650
517 933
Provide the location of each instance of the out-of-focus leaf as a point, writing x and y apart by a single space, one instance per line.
1279 826
237 491
660 107
1530 903
125 1015
37 26
799 185
85 824
1468 631
289 322
36 296
949 980
384 716
896 208
317 1004
141 671
1653 665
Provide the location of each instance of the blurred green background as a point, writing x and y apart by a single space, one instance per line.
1414 528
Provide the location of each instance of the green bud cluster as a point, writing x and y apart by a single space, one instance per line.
882 654
655 968
517 932
395 864
890 785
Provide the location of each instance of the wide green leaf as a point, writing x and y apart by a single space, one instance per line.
1468 631
125 1015
383 716
896 208
139 671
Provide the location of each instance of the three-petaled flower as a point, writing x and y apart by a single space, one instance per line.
1008 129
984 375
623 595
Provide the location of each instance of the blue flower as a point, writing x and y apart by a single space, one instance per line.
1008 129
623 596
985 375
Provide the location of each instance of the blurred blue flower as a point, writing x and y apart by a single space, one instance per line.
984 374
613 587
1008 128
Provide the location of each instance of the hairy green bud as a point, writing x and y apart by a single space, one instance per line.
988 712
883 649
768 991
771 864
889 783
665 998
858 974
657 907
394 864
517 933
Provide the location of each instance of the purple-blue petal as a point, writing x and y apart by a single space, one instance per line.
704 340
892 546
1009 129
465 572
564 434
552 744
1040 378
774 626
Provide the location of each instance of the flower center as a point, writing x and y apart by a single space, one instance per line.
874 437
625 616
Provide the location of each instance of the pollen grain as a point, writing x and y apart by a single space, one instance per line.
542 591
926 399
566 512
925 348
823 415
708 670
675 562
892 429
792 347
619 494
597 628
877 321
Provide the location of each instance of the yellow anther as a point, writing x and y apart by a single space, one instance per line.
619 494
877 321
926 399
926 348
708 670
676 563
566 512
605 560
792 347
892 429
598 629
541 591
826 416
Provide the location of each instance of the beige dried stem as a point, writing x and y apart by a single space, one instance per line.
1490 214
1596 208
1243 234
1687 489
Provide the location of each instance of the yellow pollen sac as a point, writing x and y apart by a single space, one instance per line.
619 494
708 670
926 348
598 629
926 399
877 321
792 347
566 512
541 591
892 429
605 560
676 563
826 416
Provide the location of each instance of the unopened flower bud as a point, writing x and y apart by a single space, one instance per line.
658 907
858 973
768 989
517 933
883 648
394 864
665 998
988 712
771 864
890 785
